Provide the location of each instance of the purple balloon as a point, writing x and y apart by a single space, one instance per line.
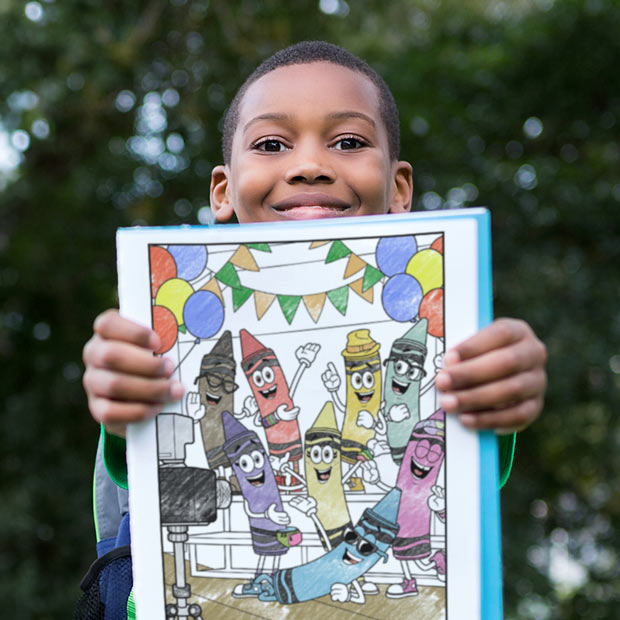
393 253
190 259
401 297
203 314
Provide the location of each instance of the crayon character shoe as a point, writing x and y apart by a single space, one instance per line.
439 558
369 588
400 590
246 590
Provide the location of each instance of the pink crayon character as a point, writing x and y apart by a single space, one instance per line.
418 480
276 412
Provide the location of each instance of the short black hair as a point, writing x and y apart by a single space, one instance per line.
306 52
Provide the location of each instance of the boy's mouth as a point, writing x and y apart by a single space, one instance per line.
311 206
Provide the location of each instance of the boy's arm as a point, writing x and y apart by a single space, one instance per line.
123 380
496 379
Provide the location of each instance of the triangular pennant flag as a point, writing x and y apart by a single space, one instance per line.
228 275
182 328
339 298
354 265
262 301
371 277
240 296
243 259
289 304
262 247
213 287
318 244
358 287
337 251
314 305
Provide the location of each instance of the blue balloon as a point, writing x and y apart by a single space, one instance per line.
401 297
203 314
190 259
393 253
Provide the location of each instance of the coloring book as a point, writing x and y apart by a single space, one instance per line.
309 470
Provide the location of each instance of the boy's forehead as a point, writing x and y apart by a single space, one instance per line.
322 88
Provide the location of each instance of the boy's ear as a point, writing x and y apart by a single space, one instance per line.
402 188
221 204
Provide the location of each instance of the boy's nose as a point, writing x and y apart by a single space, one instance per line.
309 168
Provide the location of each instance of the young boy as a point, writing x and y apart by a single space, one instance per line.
314 133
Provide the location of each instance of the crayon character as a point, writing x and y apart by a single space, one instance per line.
274 409
323 468
336 573
403 374
417 478
363 396
216 386
262 501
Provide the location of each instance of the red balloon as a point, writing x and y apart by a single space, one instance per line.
165 326
438 244
431 308
163 267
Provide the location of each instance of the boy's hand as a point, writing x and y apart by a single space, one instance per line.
496 379
124 381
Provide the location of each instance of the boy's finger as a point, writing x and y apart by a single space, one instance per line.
112 326
504 421
115 415
108 384
500 333
500 393
493 365
125 358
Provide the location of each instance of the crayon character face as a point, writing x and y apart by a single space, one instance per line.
266 379
364 384
401 374
250 464
216 390
427 455
322 459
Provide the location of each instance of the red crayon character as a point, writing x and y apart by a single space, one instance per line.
274 400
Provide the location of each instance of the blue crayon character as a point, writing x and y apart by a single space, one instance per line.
361 548
262 502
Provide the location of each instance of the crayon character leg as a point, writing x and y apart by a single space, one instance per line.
408 587
252 589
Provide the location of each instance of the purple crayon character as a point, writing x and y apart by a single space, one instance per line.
417 479
261 498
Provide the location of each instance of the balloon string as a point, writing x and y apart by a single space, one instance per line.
179 364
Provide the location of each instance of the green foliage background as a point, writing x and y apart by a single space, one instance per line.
116 108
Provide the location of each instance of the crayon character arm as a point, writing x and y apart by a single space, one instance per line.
370 474
342 593
272 513
193 407
398 413
437 502
306 355
249 409
331 381
282 413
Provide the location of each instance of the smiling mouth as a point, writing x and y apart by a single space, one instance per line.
270 393
419 471
399 388
257 481
323 475
308 206
364 398
212 399
347 558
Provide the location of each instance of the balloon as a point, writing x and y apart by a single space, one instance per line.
163 267
393 254
190 259
427 268
438 244
432 309
203 314
173 294
401 297
165 325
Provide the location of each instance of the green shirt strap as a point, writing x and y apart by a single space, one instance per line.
506 445
114 458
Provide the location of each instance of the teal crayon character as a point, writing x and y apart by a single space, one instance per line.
403 375
337 571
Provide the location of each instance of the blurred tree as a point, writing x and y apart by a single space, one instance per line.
109 117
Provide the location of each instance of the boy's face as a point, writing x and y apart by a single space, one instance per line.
310 143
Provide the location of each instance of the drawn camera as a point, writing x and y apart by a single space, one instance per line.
187 495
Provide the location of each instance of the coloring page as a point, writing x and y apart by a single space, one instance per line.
309 470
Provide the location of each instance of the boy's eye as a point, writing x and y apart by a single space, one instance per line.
349 143
270 145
